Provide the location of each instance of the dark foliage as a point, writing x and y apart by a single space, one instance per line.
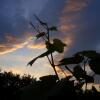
10 85
14 87
48 88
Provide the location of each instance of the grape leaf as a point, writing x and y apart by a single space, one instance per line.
58 45
53 28
95 65
40 35
78 72
72 60
89 53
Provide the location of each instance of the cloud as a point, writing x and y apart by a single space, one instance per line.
75 6
70 13
6 48
15 15
11 42
71 20
34 45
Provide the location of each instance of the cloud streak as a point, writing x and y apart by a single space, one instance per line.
15 30
70 19
71 13
12 42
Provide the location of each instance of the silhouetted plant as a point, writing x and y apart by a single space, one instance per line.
56 46
10 85
80 60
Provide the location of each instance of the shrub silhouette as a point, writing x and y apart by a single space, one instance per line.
10 85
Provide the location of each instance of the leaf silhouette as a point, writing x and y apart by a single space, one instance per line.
45 54
40 35
72 60
79 85
89 79
32 61
58 45
78 72
40 56
94 89
53 28
95 65
89 53
51 48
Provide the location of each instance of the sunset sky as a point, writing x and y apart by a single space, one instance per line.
78 22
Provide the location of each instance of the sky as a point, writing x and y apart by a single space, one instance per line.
77 22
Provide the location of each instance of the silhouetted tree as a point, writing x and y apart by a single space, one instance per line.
10 85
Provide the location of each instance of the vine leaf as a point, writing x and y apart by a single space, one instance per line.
32 61
40 35
78 72
94 89
58 45
40 56
72 60
89 79
79 85
53 28
95 65
89 53
94 60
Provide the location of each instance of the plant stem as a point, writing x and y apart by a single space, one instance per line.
53 65
69 70
52 60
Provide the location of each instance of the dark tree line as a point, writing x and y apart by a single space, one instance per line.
10 85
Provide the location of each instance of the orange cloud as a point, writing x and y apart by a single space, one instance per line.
70 12
36 46
69 17
75 5
7 48
11 42
67 27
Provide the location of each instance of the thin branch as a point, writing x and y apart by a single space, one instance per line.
69 70
49 60
34 27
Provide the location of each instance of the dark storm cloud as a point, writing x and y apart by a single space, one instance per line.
14 22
